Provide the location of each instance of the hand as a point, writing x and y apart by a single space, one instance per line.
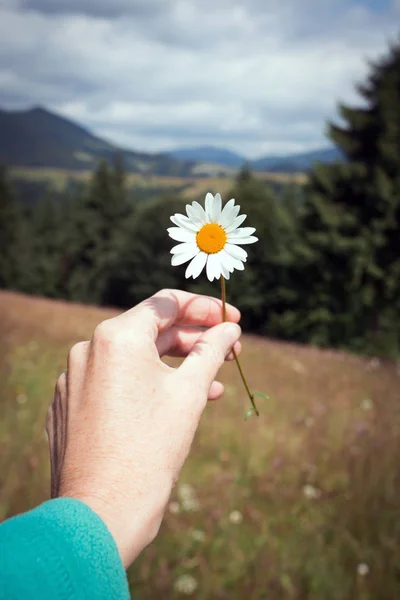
122 422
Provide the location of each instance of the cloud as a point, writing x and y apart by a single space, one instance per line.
155 74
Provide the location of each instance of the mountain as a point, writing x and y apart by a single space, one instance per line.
209 154
296 162
40 138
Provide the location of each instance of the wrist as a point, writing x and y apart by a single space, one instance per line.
132 525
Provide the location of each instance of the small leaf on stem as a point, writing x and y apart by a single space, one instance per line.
262 395
248 414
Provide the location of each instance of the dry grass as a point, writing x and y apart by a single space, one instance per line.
196 186
315 479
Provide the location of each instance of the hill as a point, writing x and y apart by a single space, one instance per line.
287 163
209 154
296 162
40 138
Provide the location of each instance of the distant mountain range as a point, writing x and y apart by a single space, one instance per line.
209 154
40 138
289 162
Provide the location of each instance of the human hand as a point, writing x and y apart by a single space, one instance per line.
122 422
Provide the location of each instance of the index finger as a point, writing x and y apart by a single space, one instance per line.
169 307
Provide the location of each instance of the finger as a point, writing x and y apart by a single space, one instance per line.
216 390
238 350
178 341
208 354
54 428
169 307
78 358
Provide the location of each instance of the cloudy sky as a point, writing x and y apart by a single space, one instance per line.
256 76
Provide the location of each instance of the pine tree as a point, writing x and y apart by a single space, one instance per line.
44 248
98 234
10 224
145 265
351 267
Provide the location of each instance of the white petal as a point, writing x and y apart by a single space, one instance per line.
235 212
184 222
196 266
216 208
246 240
224 272
227 213
208 206
183 248
238 264
236 251
235 223
227 261
241 232
191 213
213 266
231 263
198 212
179 259
181 235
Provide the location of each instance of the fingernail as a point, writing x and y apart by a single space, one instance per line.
233 331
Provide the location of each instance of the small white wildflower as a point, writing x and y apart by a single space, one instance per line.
236 517
366 404
374 363
310 492
362 569
174 507
21 398
186 584
188 498
198 535
191 505
185 490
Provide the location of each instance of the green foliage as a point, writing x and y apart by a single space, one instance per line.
144 266
10 232
351 225
98 231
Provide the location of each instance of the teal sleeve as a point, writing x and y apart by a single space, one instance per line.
60 550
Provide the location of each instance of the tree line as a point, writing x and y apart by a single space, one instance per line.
325 271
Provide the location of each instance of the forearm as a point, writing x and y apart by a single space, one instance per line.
61 549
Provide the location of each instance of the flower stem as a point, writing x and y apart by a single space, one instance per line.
239 366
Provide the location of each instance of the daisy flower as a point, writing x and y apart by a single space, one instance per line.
210 237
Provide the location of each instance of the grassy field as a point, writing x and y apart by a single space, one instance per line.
194 186
302 503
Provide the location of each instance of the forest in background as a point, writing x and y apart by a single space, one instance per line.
326 270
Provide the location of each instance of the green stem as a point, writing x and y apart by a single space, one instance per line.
239 366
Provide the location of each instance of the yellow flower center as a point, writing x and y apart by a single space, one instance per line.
211 238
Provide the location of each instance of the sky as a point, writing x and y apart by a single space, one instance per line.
256 77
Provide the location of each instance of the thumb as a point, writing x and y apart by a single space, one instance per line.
208 354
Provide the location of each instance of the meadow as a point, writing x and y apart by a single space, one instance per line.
299 504
191 187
